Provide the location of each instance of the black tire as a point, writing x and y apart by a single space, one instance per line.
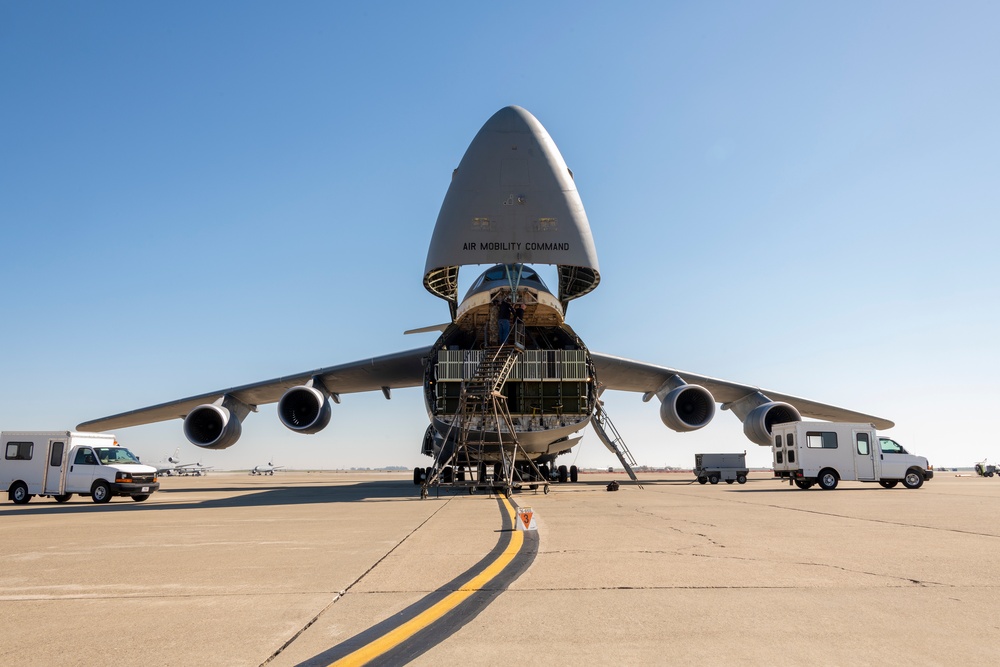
19 493
713 479
888 483
447 475
63 498
827 479
741 478
100 493
703 480
140 497
418 476
914 478
803 484
544 469
563 475
730 481
574 474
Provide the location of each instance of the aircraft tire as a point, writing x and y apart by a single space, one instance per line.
914 479
19 494
827 479
100 493
563 475
63 498
447 475
574 474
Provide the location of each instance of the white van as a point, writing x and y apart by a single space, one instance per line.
807 453
58 464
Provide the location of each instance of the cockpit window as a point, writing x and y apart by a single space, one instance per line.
499 274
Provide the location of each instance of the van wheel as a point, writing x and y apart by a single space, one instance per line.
139 498
827 480
100 492
741 479
19 494
888 483
63 498
713 479
914 479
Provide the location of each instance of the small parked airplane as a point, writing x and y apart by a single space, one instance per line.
265 470
173 466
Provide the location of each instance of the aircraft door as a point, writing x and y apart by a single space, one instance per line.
54 479
82 466
864 455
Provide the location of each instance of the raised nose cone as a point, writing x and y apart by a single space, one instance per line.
512 200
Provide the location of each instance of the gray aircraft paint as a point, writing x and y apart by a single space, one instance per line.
512 200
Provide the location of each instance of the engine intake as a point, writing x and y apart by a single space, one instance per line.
212 427
758 422
688 407
305 409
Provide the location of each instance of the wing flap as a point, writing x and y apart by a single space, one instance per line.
628 375
399 370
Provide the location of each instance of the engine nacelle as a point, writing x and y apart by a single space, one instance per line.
305 409
758 422
212 427
688 407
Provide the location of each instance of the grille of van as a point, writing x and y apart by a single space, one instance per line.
143 477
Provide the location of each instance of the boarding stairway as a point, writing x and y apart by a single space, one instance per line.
609 435
482 403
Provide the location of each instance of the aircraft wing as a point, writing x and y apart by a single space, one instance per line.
395 371
628 375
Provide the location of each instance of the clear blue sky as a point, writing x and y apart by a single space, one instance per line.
801 196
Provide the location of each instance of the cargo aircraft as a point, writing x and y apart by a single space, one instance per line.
512 204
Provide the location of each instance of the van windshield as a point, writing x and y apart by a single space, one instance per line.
890 446
112 455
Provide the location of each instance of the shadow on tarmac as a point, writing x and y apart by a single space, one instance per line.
173 499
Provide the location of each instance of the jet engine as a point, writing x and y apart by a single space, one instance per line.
305 409
758 422
212 426
687 407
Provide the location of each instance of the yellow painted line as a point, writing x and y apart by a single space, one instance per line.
397 636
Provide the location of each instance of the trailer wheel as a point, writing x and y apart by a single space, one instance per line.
63 498
827 479
730 481
19 493
140 497
888 483
100 492
713 479
914 479
703 480
741 478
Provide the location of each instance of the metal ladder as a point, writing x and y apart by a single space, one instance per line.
482 398
609 435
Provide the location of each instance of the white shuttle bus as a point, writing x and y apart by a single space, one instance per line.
824 453
58 464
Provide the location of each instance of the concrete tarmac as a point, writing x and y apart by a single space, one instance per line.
230 569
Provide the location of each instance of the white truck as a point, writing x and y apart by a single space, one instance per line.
58 464
725 467
824 453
